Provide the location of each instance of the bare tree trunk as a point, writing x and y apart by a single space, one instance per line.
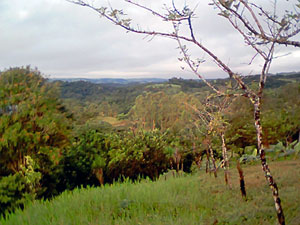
242 180
207 162
199 162
264 164
177 161
171 163
226 161
99 175
213 160
153 125
182 166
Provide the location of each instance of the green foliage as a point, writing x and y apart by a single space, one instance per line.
281 114
39 161
13 193
31 177
241 132
283 151
137 155
121 155
250 149
191 200
31 122
280 118
297 148
279 147
249 158
86 99
33 130
161 106
98 163
89 151
164 111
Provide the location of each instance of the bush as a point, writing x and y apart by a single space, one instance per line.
13 193
78 161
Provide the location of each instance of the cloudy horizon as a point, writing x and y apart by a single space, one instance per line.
64 40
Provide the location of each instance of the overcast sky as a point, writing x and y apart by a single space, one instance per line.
66 40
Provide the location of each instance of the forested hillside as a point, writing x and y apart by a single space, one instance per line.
89 90
161 105
57 136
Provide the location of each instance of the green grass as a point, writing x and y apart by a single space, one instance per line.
197 199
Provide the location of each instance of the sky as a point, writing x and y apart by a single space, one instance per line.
64 40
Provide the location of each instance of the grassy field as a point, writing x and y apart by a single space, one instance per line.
196 199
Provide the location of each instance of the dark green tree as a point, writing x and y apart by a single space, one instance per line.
85 162
33 129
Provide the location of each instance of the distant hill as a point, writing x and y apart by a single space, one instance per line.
274 80
122 93
112 80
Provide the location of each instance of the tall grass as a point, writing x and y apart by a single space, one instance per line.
197 199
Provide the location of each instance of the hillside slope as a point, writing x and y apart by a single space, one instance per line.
197 199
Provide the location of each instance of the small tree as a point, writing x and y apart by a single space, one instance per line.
261 30
214 125
32 122
33 131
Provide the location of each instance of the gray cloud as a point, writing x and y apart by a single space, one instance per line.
65 40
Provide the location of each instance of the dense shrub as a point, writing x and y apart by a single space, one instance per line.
15 191
33 130
96 158
78 160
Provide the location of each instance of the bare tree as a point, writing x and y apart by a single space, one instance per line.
211 117
262 30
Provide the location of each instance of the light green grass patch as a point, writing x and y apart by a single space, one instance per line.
197 199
